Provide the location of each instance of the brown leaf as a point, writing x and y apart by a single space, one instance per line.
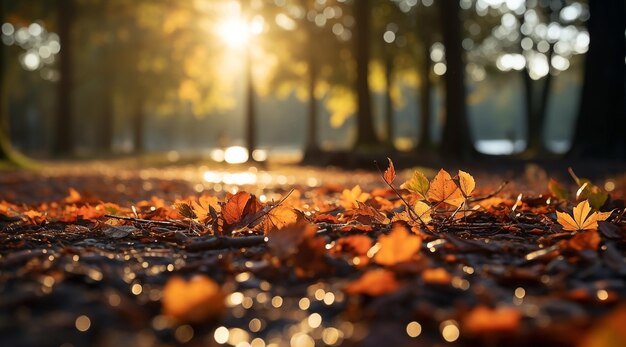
397 247
192 301
185 210
368 215
374 283
443 189
239 210
279 218
485 320
589 239
354 244
284 243
390 173
117 231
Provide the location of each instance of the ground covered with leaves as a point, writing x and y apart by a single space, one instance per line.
309 257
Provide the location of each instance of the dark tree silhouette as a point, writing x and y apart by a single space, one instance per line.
366 135
602 117
456 139
64 127
424 29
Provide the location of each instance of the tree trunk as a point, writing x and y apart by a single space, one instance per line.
602 116
456 138
64 127
138 124
4 138
366 135
425 140
106 129
389 102
250 135
312 132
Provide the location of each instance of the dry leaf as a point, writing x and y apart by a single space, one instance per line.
351 197
366 214
582 219
423 210
557 190
397 247
195 300
374 283
589 239
117 231
72 197
354 244
239 209
466 183
484 320
443 189
279 218
418 184
436 276
390 173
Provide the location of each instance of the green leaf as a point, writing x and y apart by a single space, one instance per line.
417 184
557 190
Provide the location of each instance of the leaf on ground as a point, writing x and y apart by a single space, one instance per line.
484 320
444 190
466 183
72 197
589 239
351 197
418 184
436 276
390 173
206 208
583 218
185 210
279 218
117 231
397 247
374 283
239 209
192 301
284 243
557 190
423 210
354 244
366 214
608 331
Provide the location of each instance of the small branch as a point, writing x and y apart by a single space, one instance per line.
225 242
412 213
491 195
145 221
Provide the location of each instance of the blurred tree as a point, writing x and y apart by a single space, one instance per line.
602 117
426 22
64 127
456 138
366 135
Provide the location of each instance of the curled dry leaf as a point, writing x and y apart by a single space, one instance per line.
390 173
374 283
397 247
240 209
583 218
195 300
444 190
485 320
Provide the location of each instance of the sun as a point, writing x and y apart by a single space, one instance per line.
235 32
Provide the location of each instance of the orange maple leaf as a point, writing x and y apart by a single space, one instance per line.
374 283
397 247
351 197
443 189
279 217
195 300
583 218
390 173
484 320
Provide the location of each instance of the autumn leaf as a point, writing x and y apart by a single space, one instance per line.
240 208
443 189
422 210
367 214
485 320
466 183
185 210
418 184
72 197
436 276
608 331
374 283
351 197
279 217
582 218
589 239
390 173
117 231
195 300
354 244
397 247
206 208
556 189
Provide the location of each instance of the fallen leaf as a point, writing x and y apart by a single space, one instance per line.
588 239
485 320
374 283
397 247
422 210
418 184
466 183
390 173
366 214
185 210
117 231
192 301
279 218
608 331
72 197
436 276
444 190
351 197
239 209
354 244
206 208
556 189
582 219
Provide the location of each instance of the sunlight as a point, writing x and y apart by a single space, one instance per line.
235 32
236 155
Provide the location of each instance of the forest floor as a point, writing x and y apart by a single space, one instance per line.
119 252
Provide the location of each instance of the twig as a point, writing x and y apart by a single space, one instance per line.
146 221
491 195
221 242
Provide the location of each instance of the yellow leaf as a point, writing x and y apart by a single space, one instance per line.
466 183
279 218
397 247
582 218
351 197
422 209
418 184
195 300
443 189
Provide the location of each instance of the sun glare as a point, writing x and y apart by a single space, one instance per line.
234 32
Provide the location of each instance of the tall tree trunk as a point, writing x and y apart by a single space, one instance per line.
250 125
425 140
4 137
64 127
456 139
106 128
602 116
366 135
139 124
389 101
312 132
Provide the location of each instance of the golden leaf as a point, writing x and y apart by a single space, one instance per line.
195 300
582 219
466 183
279 217
422 209
351 197
443 189
397 247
